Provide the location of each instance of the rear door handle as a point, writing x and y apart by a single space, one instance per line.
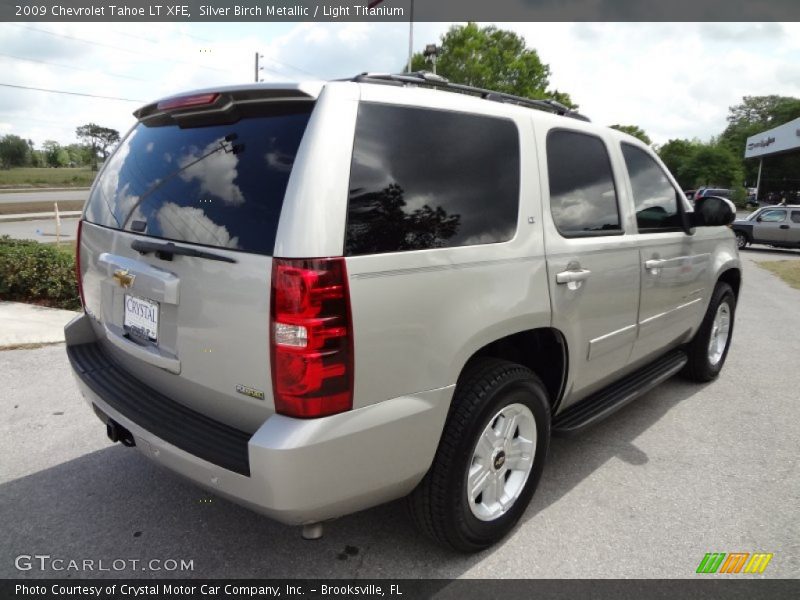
784 227
655 263
573 276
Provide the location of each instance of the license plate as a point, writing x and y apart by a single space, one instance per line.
141 318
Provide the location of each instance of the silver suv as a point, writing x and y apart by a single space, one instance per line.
312 299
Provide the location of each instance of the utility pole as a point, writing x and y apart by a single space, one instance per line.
258 68
411 36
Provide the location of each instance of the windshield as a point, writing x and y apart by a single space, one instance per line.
220 185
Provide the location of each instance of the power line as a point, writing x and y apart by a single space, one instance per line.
275 60
25 87
119 48
44 62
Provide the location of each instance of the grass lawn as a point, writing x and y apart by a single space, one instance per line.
35 177
67 247
788 270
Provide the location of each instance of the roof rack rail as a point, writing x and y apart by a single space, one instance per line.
428 79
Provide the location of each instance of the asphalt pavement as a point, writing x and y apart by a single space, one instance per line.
685 470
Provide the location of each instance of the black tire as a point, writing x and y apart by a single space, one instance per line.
439 505
741 240
699 367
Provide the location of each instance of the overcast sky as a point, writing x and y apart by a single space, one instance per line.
675 80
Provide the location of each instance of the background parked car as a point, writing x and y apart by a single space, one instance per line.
721 192
777 226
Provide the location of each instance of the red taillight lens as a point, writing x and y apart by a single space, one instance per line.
311 337
188 101
78 276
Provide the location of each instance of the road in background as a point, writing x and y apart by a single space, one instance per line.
684 470
47 196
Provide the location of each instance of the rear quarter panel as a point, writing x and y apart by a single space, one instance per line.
418 316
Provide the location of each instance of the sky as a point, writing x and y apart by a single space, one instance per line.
675 80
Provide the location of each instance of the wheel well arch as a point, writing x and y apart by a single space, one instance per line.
733 277
543 351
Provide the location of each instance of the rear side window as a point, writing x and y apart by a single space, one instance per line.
795 216
220 185
773 216
655 200
583 198
424 178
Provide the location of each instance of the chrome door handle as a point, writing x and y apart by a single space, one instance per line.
654 264
573 276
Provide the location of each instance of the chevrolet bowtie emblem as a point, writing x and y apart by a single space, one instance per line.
124 278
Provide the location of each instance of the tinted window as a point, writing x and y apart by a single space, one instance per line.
221 185
430 179
773 216
583 199
654 198
795 216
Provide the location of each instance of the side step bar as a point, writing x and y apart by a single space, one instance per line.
599 405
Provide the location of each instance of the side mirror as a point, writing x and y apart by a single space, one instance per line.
758 219
713 211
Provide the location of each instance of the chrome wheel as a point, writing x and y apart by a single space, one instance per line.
501 462
720 332
741 241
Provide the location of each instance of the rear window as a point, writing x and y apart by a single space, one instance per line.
220 185
424 178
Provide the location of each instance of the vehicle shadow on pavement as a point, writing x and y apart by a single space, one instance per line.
574 458
114 504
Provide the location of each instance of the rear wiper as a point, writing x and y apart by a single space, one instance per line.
168 250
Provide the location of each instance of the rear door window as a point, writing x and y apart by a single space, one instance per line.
423 178
219 185
583 197
772 216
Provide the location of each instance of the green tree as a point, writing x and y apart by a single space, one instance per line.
711 165
635 131
54 154
100 139
495 59
79 154
676 154
14 151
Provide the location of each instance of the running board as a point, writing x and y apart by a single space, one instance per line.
599 405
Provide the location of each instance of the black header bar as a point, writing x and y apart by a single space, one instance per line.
398 10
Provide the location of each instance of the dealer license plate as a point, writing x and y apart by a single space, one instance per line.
141 318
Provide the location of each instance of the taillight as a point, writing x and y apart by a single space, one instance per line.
311 337
78 263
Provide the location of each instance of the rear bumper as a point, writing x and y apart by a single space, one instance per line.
293 470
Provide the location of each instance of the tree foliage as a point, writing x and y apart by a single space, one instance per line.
14 151
492 58
635 131
695 164
98 138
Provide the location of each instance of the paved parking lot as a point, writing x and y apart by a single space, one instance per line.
683 471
